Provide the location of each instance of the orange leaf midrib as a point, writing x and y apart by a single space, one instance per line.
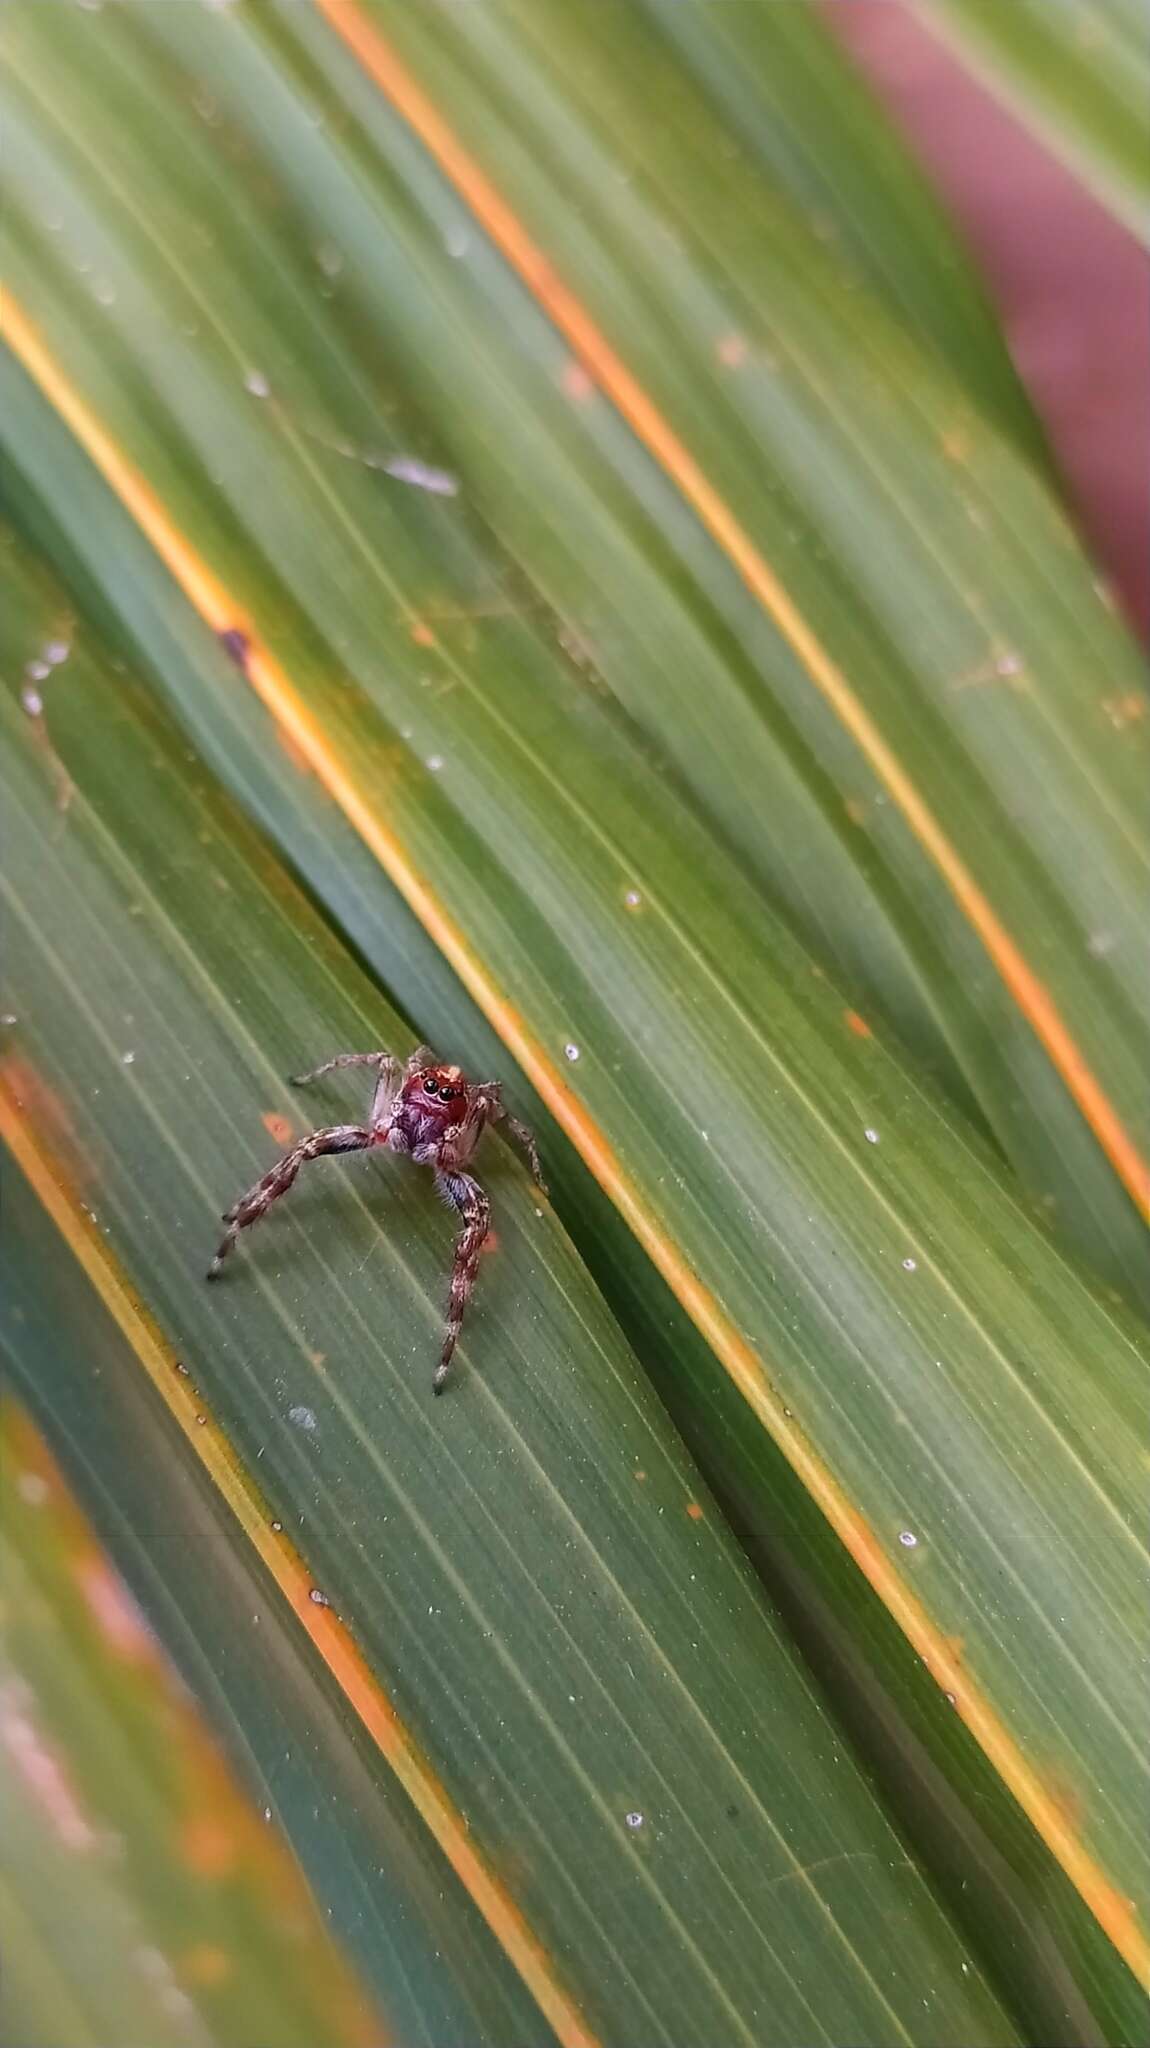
602 361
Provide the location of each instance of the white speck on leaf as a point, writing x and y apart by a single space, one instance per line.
870 1136
127 1059
908 1539
304 1418
634 1820
571 1052
32 701
910 1265
407 470
257 384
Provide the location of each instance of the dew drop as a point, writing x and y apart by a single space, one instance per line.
435 763
571 1052
870 1136
127 1059
257 384
56 651
317 1598
32 701
634 1820
632 899
908 1539
304 1418
910 1265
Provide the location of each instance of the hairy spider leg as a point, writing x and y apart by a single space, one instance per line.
466 1195
387 1081
278 1179
525 1138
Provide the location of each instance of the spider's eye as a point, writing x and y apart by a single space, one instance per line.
431 1086
450 1094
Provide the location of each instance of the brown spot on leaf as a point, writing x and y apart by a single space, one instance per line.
237 646
731 351
422 634
48 1114
1123 711
277 1126
576 383
208 1845
857 1024
206 1965
694 1510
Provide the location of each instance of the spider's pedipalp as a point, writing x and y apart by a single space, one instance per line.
465 1194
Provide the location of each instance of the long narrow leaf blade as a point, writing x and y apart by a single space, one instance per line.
585 1696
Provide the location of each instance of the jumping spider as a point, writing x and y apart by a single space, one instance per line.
435 1116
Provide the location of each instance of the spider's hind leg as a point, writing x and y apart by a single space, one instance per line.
466 1195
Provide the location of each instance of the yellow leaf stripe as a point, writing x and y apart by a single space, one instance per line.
1115 1913
328 1634
1033 998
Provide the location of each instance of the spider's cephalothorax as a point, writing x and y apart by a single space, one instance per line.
430 1112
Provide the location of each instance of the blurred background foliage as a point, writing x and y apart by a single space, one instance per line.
522 531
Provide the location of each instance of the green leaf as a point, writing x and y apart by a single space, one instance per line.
591 810
919 729
1077 72
562 1624
206 1875
1006 1890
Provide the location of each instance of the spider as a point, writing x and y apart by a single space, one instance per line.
433 1114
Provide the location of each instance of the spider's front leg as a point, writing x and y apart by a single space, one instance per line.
388 1071
490 1095
278 1179
465 1194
